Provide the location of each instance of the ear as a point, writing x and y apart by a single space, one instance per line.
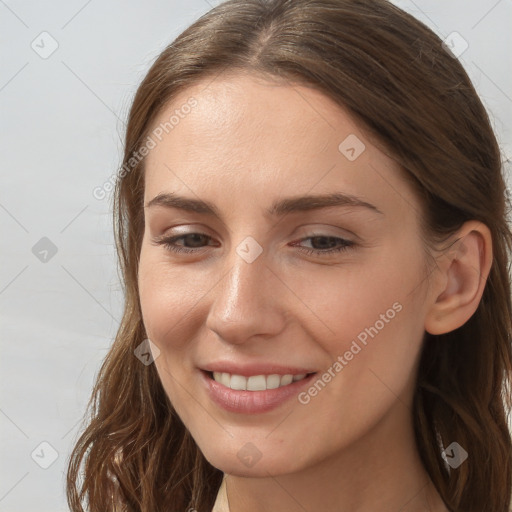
462 272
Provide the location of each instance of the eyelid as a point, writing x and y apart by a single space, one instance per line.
189 228
300 232
324 230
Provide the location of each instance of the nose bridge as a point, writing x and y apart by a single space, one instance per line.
243 285
245 302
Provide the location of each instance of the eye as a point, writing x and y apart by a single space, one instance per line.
327 244
170 242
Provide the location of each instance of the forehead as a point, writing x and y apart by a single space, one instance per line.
241 110
244 132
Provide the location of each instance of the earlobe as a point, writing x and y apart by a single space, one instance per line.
464 269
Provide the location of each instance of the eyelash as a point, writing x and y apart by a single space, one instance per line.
168 243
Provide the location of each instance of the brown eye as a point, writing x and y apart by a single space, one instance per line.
195 239
327 244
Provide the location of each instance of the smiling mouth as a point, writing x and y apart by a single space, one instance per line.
256 382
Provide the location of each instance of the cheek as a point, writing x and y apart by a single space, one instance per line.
167 299
170 300
372 320
345 302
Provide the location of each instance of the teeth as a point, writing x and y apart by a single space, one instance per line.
255 382
273 381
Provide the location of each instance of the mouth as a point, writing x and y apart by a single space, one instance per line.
260 382
253 394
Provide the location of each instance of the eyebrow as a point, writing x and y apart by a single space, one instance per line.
279 208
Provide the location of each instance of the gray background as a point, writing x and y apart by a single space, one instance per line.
62 121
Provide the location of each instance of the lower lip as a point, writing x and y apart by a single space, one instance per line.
251 402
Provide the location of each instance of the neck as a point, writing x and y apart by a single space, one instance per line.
381 471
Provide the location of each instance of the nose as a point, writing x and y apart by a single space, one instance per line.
249 301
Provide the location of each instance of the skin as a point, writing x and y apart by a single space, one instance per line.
247 143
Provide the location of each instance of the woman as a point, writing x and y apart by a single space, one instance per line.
311 224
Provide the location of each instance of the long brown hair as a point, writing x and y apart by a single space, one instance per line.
399 83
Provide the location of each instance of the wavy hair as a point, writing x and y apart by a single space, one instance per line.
396 79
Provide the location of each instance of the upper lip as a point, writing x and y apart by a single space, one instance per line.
249 369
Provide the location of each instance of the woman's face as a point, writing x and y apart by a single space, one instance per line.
275 282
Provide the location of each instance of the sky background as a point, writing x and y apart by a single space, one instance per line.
62 122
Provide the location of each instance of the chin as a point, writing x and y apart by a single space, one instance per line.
243 463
